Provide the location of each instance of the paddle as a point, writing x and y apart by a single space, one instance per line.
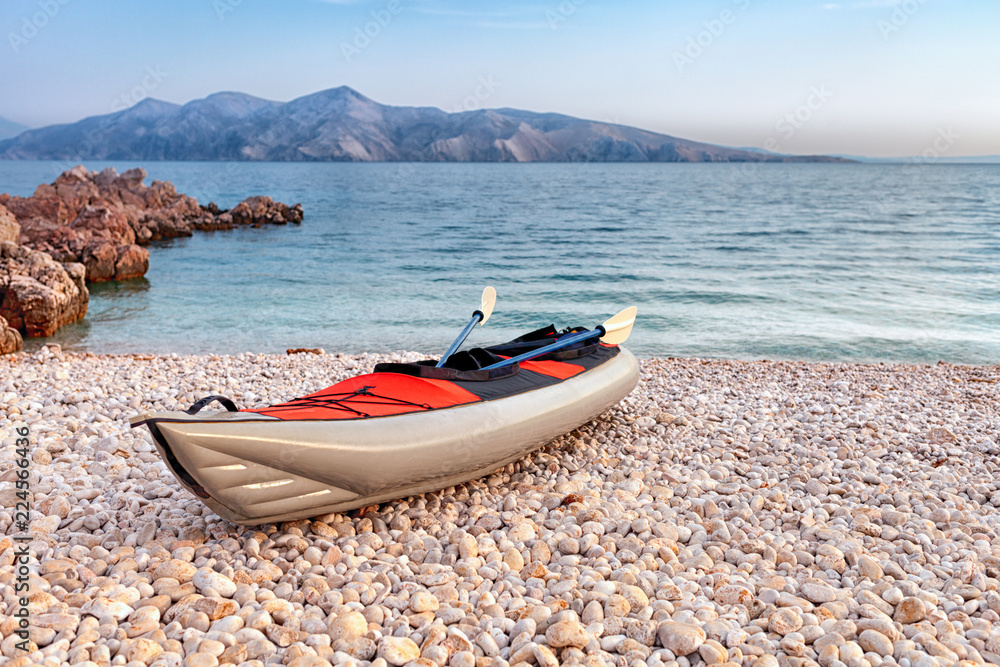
613 331
480 316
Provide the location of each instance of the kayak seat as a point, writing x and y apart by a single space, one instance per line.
542 337
467 365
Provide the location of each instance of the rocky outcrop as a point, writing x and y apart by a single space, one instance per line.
264 210
91 227
102 220
252 212
37 294
10 338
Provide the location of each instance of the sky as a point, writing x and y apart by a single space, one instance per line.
858 77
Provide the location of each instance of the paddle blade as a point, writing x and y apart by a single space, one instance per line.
489 300
619 327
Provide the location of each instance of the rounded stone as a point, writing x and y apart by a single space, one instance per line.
875 642
180 570
423 601
348 625
712 653
206 579
733 594
567 633
398 650
783 621
910 610
680 638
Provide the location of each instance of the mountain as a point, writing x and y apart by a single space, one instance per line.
9 128
340 124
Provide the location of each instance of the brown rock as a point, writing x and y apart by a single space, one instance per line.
38 295
99 257
212 223
64 218
10 338
132 262
75 189
108 222
264 210
10 228
159 225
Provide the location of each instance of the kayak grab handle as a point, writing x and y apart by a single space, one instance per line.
199 404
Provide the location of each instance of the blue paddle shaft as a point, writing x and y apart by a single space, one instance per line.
565 341
476 316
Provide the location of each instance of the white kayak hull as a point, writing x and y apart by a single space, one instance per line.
253 469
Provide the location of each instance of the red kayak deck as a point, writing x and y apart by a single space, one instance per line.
386 394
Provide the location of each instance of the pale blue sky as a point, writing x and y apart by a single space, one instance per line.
872 77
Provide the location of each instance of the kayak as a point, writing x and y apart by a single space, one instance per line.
401 430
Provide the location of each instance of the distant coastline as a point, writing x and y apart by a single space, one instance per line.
342 125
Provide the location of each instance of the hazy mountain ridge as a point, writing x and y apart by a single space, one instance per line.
9 128
340 124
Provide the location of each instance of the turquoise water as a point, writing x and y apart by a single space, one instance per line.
831 262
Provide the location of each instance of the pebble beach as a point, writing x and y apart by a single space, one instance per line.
751 513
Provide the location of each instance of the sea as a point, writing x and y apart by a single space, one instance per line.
832 262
